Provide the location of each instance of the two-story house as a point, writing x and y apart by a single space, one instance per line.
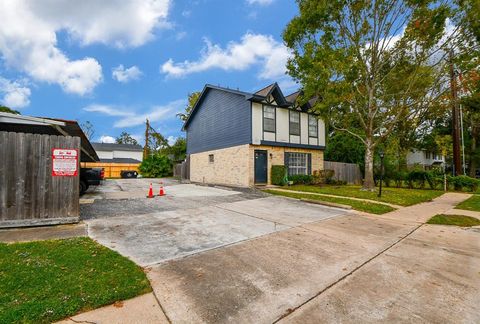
234 137
424 158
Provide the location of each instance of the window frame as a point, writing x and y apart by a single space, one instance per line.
211 158
310 117
274 119
290 123
293 163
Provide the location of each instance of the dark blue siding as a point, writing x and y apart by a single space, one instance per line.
223 119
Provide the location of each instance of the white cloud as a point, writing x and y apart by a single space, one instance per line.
130 118
121 74
253 49
28 39
15 93
171 139
108 110
260 2
106 139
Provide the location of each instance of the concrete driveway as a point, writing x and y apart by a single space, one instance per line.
217 255
189 219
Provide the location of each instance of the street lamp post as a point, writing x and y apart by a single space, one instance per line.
382 155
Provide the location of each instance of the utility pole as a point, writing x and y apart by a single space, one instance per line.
146 148
457 164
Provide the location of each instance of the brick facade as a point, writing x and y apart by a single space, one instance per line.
235 165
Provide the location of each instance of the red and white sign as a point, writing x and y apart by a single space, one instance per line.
64 162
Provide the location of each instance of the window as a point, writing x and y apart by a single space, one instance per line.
294 123
210 158
297 163
312 126
269 119
427 155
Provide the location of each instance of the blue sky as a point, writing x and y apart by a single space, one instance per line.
116 63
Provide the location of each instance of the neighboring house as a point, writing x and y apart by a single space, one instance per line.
235 137
118 153
424 158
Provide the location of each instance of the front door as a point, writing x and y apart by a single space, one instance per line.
260 167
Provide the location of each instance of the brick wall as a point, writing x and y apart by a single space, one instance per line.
231 166
235 165
278 157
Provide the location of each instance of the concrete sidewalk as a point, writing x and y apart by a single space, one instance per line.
351 268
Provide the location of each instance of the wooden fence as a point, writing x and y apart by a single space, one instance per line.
112 170
182 170
29 194
349 172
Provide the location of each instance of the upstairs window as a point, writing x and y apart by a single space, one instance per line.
312 126
294 123
269 119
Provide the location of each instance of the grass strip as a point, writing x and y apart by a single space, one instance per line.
472 203
396 196
45 281
457 220
363 206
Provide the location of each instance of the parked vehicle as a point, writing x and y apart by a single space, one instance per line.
90 177
127 174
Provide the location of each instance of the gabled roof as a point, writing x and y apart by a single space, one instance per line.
259 96
109 147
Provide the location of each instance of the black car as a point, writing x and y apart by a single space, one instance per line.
90 177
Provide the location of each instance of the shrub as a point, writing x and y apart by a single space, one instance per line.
461 182
322 176
398 177
278 175
301 179
156 166
419 177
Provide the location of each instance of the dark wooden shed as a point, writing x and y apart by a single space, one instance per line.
39 170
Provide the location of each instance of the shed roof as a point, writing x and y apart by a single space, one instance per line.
49 126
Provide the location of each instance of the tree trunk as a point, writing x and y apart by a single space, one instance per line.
369 183
473 162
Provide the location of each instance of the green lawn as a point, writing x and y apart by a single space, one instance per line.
472 203
458 220
357 205
45 281
397 196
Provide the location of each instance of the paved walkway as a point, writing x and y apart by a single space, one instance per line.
463 212
352 268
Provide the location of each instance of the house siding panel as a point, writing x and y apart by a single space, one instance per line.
223 120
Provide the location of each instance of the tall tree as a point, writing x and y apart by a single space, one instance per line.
372 63
126 138
88 129
192 100
9 110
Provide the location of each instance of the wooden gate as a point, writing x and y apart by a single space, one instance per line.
29 194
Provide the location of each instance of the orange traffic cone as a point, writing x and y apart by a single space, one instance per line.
150 192
162 191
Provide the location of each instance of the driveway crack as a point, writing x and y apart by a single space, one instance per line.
292 310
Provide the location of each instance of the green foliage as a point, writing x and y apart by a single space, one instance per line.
178 151
343 147
457 220
300 179
125 138
278 175
9 110
156 166
463 182
192 100
46 281
369 77
418 178
323 177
